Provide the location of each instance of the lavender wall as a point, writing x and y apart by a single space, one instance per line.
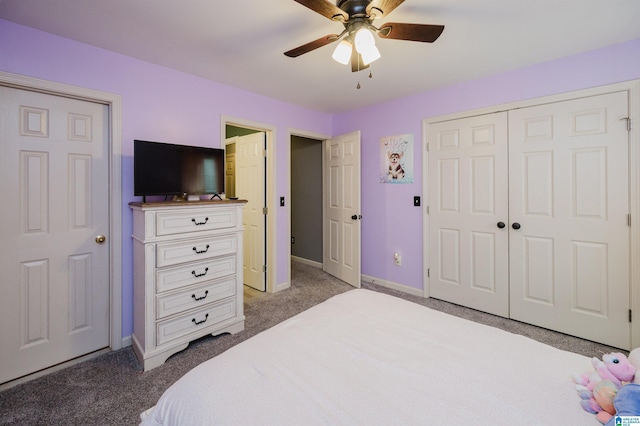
157 104
162 104
390 222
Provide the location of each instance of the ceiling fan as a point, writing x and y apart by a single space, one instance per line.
357 16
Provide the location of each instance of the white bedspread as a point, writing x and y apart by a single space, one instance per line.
365 358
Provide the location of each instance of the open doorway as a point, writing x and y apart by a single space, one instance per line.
306 200
262 185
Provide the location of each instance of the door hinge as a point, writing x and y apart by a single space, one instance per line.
264 268
264 153
265 210
428 272
628 123
629 315
629 219
426 146
427 209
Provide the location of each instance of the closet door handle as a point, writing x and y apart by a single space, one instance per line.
501 225
515 225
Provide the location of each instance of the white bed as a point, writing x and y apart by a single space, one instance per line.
370 359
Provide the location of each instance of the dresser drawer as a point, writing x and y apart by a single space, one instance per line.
194 297
196 220
194 321
175 277
168 254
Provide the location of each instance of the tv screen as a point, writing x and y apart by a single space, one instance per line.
169 169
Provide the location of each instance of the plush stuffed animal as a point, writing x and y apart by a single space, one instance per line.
626 402
598 389
634 359
614 367
601 404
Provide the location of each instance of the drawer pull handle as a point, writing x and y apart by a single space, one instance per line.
201 251
200 322
206 219
200 298
200 275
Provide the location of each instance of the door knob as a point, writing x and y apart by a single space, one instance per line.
356 216
515 225
501 225
101 239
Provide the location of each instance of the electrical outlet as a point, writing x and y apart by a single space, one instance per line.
397 259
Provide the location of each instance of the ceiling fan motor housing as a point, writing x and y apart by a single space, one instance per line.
354 8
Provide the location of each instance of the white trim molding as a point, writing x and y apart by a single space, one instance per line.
391 285
306 261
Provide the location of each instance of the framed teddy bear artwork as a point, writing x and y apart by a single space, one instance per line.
396 159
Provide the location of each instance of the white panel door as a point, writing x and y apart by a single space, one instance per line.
54 303
341 223
250 186
569 195
468 212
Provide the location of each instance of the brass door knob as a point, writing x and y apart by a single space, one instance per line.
101 239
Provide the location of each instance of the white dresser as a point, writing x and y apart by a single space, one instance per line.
187 269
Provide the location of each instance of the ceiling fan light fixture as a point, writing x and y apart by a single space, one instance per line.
370 55
364 40
366 45
342 53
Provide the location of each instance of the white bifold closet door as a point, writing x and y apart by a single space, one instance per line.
556 176
569 191
468 190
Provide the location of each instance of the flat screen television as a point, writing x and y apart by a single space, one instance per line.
168 169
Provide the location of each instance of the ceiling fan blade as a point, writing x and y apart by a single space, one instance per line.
312 45
381 8
326 9
356 62
413 32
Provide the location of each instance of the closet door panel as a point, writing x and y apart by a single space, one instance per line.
468 185
568 191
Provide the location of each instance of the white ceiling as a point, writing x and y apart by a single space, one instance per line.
241 42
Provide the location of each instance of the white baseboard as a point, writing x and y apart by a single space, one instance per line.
393 286
281 286
366 278
126 341
306 261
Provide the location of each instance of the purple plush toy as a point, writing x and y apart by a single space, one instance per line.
626 402
599 388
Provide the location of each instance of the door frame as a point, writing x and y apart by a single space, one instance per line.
114 124
271 253
633 87
309 135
